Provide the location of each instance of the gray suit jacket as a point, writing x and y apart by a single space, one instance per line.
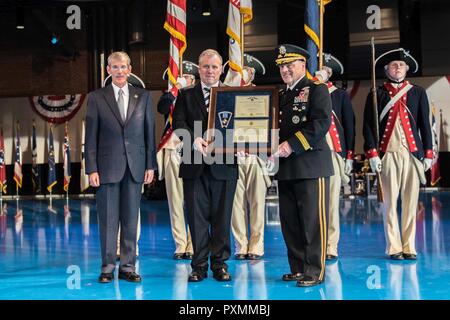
111 144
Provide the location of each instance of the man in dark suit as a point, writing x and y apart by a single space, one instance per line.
120 156
305 167
208 187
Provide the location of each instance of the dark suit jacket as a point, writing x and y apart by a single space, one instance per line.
111 144
305 117
190 108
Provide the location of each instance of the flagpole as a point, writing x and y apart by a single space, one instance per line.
322 9
102 69
242 39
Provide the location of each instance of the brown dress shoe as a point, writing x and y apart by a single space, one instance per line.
130 276
292 276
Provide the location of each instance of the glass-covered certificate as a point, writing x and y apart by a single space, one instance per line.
243 119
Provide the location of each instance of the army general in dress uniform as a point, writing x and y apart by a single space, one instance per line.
305 167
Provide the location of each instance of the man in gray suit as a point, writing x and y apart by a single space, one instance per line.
120 156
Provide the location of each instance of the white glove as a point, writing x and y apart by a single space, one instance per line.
322 74
375 164
182 82
427 163
348 166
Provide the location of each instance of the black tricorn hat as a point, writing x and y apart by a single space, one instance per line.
252 62
333 63
399 54
289 52
133 80
188 68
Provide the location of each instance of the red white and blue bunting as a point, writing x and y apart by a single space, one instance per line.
57 109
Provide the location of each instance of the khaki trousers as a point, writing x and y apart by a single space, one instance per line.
399 176
174 189
250 196
335 189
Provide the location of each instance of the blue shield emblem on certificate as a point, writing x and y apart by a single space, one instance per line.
225 117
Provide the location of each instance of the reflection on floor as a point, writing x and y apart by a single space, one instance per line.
53 253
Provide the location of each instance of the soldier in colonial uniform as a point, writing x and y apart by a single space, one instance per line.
405 148
251 190
305 167
341 139
168 158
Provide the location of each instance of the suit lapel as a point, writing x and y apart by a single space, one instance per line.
133 98
108 92
200 99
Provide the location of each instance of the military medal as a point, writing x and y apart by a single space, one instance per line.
304 94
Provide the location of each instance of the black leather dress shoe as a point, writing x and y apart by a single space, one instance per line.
130 276
410 256
105 277
178 256
252 256
397 256
331 257
221 275
292 276
197 276
308 281
240 256
188 256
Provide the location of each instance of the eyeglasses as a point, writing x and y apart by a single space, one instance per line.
122 67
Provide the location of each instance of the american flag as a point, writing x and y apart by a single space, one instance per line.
435 170
35 167
175 24
51 181
235 9
2 164
84 178
66 151
18 160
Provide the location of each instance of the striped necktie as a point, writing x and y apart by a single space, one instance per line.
206 92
